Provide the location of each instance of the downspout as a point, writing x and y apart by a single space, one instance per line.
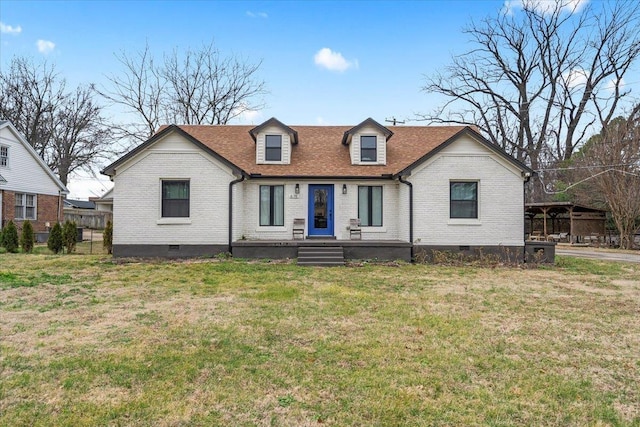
410 210
231 184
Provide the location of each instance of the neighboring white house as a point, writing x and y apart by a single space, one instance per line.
28 188
104 203
199 190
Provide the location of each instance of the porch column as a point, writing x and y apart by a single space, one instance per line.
544 218
573 237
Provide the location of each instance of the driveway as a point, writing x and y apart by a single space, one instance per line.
601 255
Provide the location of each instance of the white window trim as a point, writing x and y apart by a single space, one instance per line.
274 228
24 206
7 162
368 162
173 220
271 228
465 221
382 229
374 228
274 162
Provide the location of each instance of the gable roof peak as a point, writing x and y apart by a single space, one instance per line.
274 122
22 140
368 122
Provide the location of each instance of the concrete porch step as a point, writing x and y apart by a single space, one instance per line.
321 255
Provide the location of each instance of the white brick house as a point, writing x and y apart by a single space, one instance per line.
199 190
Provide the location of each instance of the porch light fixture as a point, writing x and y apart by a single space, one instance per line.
297 188
344 188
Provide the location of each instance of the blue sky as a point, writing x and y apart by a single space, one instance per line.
323 62
388 46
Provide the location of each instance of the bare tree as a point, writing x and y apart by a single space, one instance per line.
80 138
66 128
190 87
609 167
30 94
140 89
538 79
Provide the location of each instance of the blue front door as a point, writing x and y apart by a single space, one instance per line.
320 210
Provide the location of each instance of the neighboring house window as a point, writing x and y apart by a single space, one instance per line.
463 199
273 148
368 149
370 206
175 199
4 155
25 206
272 205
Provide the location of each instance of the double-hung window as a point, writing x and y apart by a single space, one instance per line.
175 198
4 155
368 148
463 201
25 206
273 148
272 205
370 206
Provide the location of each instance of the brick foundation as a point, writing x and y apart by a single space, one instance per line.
49 210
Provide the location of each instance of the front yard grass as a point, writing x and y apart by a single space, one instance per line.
86 341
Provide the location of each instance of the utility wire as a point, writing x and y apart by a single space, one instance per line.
583 167
544 187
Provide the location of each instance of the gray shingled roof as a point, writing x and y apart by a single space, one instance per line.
80 204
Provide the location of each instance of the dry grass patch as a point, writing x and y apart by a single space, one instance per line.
86 341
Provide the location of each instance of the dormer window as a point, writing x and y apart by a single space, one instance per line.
273 148
368 148
274 142
367 143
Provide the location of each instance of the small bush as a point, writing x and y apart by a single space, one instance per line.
69 236
27 238
10 237
107 238
55 242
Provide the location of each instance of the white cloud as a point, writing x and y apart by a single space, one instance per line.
45 46
249 116
543 6
333 61
320 121
257 14
8 29
575 78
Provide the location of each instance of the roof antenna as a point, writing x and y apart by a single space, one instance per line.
394 121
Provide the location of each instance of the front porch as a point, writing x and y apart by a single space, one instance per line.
353 249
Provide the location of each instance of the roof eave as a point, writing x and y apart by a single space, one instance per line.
336 177
477 136
273 121
110 170
369 121
62 188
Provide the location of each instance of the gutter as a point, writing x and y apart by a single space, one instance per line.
231 184
321 177
410 210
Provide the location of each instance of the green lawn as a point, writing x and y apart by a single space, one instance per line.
86 341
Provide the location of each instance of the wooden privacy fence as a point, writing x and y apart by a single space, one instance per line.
86 218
